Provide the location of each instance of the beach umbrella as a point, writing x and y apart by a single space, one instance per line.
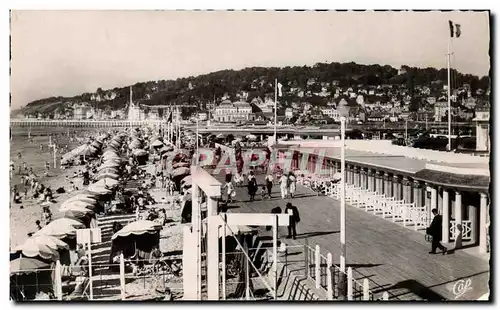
80 210
181 171
112 170
61 228
157 143
187 179
109 152
79 214
36 246
139 152
98 189
181 164
137 228
76 204
187 184
107 175
111 157
107 182
90 198
108 165
51 242
82 201
26 264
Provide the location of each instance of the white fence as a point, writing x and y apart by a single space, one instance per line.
408 214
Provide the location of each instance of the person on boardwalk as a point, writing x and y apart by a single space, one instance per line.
292 183
252 187
435 230
294 219
230 191
284 186
269 184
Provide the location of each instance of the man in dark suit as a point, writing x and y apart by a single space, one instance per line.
294 219
435 230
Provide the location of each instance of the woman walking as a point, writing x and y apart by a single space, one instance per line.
269 184
252 188
292 181
284 186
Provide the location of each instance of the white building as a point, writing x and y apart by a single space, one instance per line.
331 113
289 113
233 112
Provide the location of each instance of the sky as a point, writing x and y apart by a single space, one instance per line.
66 53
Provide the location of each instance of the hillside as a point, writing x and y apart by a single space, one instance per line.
259 82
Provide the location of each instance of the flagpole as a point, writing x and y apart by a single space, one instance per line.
275 109
449 95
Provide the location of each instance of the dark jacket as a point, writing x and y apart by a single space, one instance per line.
435 230
295 218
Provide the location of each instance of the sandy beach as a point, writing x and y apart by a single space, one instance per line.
22 220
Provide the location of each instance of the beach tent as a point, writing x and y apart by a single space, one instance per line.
61 228
137 228
81 202
107 182
98 189
25 264
107 175
157 143
43 246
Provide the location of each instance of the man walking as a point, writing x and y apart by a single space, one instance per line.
294 219
435 230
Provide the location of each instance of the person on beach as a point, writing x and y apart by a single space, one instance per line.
47 168
46 216
269 184
41 147
284 186
38 226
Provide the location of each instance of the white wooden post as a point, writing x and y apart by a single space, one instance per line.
91 286
122 276
349 283
58 280
275 257
329 276
55 157
247 290
366 290
317 267
385 296
342 197
224 258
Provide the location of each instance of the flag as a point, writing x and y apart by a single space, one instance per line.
279 90
454 29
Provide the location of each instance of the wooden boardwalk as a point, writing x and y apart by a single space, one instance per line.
391 256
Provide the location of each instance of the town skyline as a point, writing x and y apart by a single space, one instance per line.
122 56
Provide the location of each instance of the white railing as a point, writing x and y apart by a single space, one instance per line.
398 211
466 230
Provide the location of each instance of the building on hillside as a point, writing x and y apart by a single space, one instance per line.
82 111
233 112
441 110
289 113
331 113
